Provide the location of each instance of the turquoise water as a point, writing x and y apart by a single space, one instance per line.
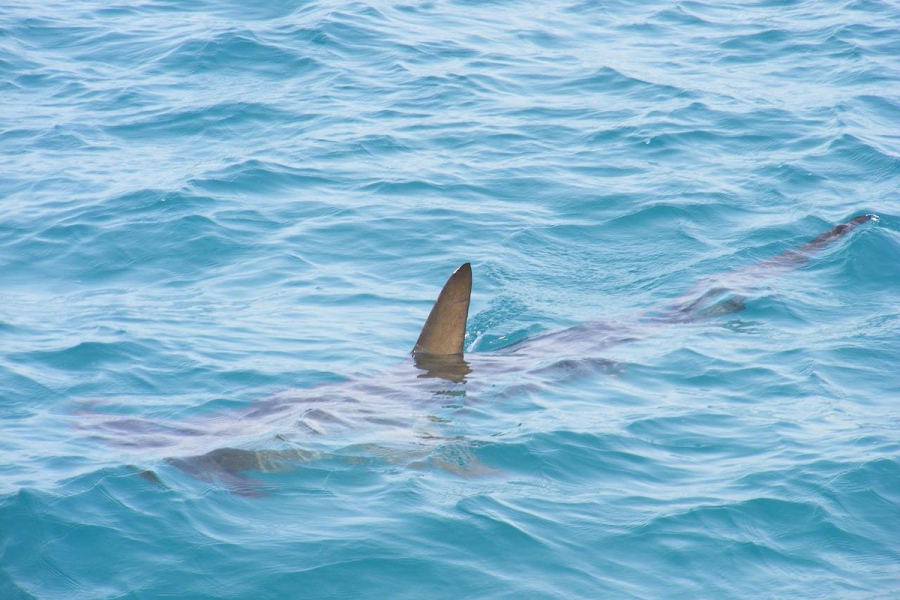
222 227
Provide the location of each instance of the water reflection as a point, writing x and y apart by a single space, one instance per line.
452 367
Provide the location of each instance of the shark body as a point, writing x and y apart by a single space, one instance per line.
395 410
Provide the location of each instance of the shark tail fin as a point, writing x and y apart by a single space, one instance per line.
445 329
728 296
836 232
799 256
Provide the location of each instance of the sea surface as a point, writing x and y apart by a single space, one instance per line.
223 224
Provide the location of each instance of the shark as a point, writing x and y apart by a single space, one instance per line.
391 418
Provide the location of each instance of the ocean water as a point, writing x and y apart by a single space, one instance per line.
222 226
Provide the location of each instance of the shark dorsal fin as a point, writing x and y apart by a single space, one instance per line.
445 329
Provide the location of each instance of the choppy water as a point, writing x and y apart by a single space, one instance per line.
205 204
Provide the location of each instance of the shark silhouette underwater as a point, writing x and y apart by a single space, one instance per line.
387 418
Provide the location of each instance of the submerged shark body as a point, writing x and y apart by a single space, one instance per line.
392 418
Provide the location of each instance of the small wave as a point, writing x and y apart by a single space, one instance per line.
256 176
212 120
234 51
